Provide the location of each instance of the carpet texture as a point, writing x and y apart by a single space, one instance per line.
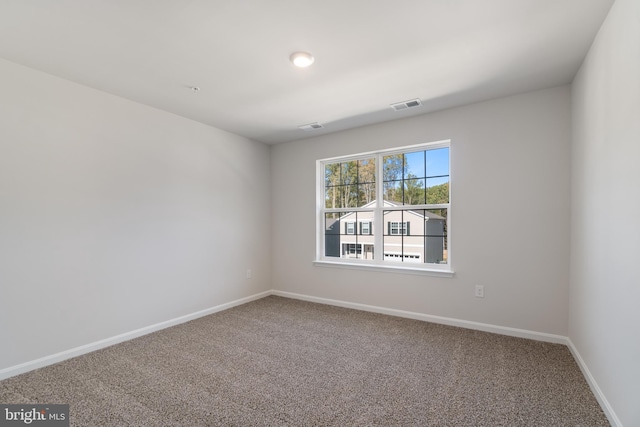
283 362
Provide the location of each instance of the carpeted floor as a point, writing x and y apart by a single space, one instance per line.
283 362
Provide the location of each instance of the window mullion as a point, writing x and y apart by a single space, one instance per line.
320 208
378 216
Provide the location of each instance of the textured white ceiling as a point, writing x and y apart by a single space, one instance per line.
369 54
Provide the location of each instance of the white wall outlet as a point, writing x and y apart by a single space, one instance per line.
248 273
479 291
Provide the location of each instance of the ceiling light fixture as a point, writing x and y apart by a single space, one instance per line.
301 59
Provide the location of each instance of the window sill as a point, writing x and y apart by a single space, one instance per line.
385 268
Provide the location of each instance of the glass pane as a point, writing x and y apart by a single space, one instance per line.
417 177
332 197
331 174
349 184
393 222
367 170
393 167
435 253
332 234
366 194
413 236
414 193
349 235
437 162
366 181
331 181
349 196
412 249
367 251
341 196
349 172
393 192
414 165
436 236
438 190
365 237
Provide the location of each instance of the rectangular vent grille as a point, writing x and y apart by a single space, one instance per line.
399 106
311 126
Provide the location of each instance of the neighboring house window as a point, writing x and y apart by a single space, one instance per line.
353 248
390 207
398 228
351 227
365 227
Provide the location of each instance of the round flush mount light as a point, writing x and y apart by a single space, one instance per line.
301 59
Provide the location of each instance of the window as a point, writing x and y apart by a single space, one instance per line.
352 248
365 227
397 228
351 227
388 209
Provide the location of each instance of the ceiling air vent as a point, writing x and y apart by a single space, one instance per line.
311 126
406 104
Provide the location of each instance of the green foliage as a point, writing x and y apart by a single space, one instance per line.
393 172
394 167
438 194
349 184
352 184
413 190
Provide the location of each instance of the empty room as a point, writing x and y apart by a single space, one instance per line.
337 213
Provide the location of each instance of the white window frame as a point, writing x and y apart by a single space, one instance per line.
379 262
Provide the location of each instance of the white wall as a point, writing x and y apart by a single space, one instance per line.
605 240
115 216
510 214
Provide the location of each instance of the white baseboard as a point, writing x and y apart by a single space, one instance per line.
602 400
503 330
87 348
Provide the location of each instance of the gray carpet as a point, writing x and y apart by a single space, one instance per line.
283 362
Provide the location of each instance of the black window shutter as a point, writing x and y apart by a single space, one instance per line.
389 228
360 228
346 228
408 224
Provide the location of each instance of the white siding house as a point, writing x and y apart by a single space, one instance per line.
408 235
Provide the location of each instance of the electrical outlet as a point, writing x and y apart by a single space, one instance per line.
248 273
479 291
